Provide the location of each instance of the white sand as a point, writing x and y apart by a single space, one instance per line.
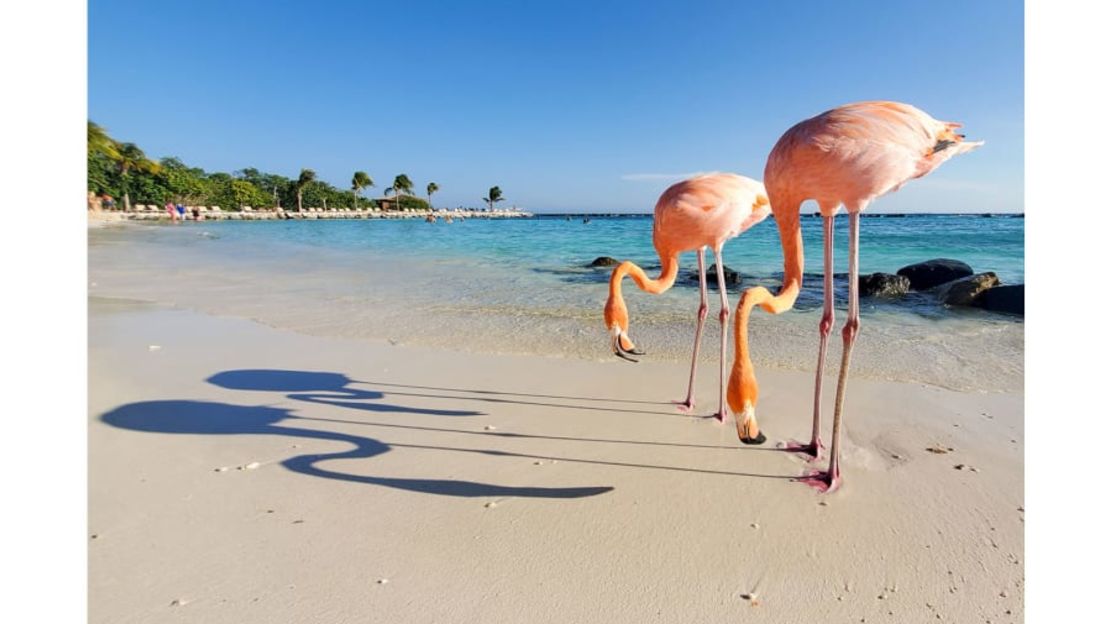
577 494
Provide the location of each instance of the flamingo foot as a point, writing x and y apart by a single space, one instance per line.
721 416
810 450
824 482
685 407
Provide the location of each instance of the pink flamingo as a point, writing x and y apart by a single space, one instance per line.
704 211
846 156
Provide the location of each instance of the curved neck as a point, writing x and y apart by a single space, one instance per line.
793 259
665 280
743 391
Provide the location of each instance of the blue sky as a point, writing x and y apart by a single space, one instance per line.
568 106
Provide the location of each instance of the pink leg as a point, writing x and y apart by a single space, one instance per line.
687 406
722 411
812 450
829 481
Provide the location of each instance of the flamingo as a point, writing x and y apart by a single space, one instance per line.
846 156
703 211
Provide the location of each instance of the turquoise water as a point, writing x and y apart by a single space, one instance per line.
521 286
552 243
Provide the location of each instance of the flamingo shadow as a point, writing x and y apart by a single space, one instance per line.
211 418
318 387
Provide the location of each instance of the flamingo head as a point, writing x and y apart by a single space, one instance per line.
616 321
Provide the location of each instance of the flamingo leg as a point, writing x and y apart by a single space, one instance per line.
813 449
829 481
687 406
722 412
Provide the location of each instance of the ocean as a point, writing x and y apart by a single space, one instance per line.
523 286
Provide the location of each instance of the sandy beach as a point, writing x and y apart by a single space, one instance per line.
242 473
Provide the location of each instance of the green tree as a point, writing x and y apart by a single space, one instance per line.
494 197
432 188
183 183
100 143
307 176
360 181
401 184
131 158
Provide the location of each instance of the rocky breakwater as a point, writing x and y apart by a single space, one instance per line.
952 282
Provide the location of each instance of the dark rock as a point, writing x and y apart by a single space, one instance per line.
1003 299
964 291
604 261
925 275
731 277
883 285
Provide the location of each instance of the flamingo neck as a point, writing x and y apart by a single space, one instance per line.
661 284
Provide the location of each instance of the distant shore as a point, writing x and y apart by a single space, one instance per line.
153 213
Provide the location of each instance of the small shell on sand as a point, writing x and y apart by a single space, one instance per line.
179 602
383 581
250 466
491 504
491 428
939 450
154 347
752 598
222 469
755 525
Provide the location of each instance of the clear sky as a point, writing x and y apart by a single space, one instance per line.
567 106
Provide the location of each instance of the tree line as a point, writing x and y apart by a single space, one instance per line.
123 170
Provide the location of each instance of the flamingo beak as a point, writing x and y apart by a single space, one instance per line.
620 351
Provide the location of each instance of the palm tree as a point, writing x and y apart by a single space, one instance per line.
360 181
494 197
401 184
432 188
307 177
131 157
99 141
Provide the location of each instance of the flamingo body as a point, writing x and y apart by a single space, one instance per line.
855 153
706 211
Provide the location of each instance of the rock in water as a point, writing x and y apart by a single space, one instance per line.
883 285
964 291
1003 299
604 261
731 277
925 275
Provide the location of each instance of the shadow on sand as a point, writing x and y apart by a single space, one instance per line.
209 418
334 389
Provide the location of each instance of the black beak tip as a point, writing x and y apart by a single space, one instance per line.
759 439
622 356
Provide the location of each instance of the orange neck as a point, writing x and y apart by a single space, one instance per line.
654 286
743 390
616 314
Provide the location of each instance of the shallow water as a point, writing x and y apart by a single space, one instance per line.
522 286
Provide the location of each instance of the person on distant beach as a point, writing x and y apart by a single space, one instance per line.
196 213
108 202
170 211
94 202
181 211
